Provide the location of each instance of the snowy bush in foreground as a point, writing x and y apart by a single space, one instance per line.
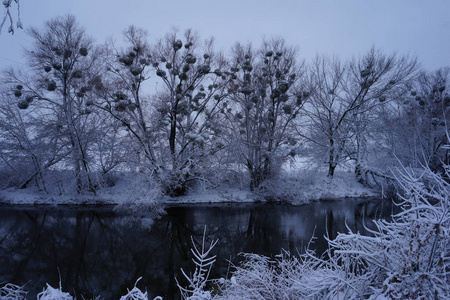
406 258
286 277
15 292
135 293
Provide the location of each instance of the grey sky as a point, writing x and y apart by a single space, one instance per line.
339 27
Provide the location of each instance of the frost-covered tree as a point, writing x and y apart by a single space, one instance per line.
193 86
424 115
411 129
265 97
388 80
59 81
326 128
120 94
345 96
27 150
170 131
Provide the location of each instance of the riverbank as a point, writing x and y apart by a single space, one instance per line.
134 189
266 228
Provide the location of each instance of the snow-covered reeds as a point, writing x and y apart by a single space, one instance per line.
203 261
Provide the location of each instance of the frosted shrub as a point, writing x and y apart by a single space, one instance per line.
255 278
286 277
12 292
51 293
139 194
15 292
409 257
137 294
405 258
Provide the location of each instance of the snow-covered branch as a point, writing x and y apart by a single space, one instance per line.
7 4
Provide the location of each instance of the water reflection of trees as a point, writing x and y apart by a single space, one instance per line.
104 253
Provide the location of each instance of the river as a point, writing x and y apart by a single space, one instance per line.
102 252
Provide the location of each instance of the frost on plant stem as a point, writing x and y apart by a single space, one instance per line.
203 261
137 294
12 292
51 293
7 4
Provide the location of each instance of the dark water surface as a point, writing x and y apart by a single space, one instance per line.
103 252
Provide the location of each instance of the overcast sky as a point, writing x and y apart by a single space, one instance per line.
335 27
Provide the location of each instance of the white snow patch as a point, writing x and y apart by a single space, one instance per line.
312 185
215 196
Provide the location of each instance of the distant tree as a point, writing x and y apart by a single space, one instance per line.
432 116
265 97
326 128
417 123
8 4
389 80
59 81
344 97
27 150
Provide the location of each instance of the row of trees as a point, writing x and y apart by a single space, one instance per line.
87 108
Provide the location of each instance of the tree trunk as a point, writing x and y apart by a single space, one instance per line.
359 174
331 168
331 160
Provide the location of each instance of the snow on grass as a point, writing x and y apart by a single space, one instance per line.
300 182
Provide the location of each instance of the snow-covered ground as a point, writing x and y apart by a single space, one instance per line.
297 187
